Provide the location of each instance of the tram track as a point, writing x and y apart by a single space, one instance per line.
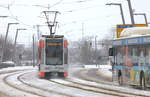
71 83
15 72
90 79
15 87
98 90
82 75
34 86
117 91
2 93
11 71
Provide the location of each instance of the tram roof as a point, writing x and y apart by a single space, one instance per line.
135 32
133 36
53 36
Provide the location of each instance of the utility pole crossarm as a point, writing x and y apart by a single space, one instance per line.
113 4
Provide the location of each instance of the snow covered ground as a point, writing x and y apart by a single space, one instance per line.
32 79
48 88
102 69
17 68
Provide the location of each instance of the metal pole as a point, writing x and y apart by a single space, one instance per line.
38 31
121 10
144 17
3 16
82 31
33 53
55 27
95 50
14 58
16 37
3 46
16 41
131 12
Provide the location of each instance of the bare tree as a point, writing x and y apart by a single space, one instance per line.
8 51
81 51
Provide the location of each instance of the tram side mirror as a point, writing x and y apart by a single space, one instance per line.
111 51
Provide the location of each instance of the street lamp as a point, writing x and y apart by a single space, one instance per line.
17 35
3 46
3 16
17 30
118 4
143 15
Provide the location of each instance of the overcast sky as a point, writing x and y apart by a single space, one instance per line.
97 18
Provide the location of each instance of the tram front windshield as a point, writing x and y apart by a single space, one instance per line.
54 52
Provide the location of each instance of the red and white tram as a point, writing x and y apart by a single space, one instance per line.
53 56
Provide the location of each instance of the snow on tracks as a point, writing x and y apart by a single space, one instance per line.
110 86
21 88
85 86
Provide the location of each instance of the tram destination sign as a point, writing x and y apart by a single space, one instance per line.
133 41
117 42
121 27
146 39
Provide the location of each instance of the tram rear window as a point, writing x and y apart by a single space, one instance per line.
54 52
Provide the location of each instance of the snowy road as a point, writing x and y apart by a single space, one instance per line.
24 82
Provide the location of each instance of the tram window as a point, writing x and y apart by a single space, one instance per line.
141 58
132 59
111 51
129 58
119 57
134 56
54 55
54 52
147 55
129 52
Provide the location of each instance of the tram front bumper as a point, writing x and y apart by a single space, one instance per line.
52 68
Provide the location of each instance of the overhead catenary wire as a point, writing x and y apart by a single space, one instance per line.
78 1
15 17
12 3
81 9
59 2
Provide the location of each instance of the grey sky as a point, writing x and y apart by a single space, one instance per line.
98 18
